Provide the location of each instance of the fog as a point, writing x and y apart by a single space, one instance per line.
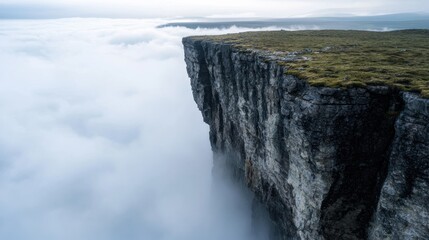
100 137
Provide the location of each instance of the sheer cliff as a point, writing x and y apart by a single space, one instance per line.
326 162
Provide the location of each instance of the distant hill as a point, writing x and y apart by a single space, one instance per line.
380 22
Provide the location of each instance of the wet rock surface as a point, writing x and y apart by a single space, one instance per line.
326 163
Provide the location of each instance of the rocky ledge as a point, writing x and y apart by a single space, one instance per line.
326 162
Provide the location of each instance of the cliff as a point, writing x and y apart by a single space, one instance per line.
326 162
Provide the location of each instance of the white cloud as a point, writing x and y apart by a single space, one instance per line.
100 137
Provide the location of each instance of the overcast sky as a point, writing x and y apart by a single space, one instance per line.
188 8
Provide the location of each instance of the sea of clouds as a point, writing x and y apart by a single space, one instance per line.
100 138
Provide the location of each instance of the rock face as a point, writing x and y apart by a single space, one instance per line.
326 163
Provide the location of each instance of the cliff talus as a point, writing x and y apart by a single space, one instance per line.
327 163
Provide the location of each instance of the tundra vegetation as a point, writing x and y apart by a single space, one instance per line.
337 58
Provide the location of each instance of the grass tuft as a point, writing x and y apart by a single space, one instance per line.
335 58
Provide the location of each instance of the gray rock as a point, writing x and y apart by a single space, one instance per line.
326 163
403 209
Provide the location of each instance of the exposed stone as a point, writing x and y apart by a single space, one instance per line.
323 161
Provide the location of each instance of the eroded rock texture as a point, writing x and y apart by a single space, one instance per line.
326 163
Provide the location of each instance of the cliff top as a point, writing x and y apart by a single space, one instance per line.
335 58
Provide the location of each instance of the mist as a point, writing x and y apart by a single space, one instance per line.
101 139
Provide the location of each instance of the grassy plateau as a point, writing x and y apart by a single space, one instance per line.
336 58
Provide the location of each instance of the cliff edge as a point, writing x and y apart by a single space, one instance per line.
329 155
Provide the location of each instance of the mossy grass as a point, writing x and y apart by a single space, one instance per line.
336 58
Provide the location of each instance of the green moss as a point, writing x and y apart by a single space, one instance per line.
346 58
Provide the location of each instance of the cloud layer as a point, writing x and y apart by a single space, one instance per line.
100 137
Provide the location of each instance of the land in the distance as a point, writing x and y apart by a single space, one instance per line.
337 58
376 23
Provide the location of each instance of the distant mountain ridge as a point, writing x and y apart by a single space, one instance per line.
377 22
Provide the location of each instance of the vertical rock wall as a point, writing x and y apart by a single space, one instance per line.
316 158
403 209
